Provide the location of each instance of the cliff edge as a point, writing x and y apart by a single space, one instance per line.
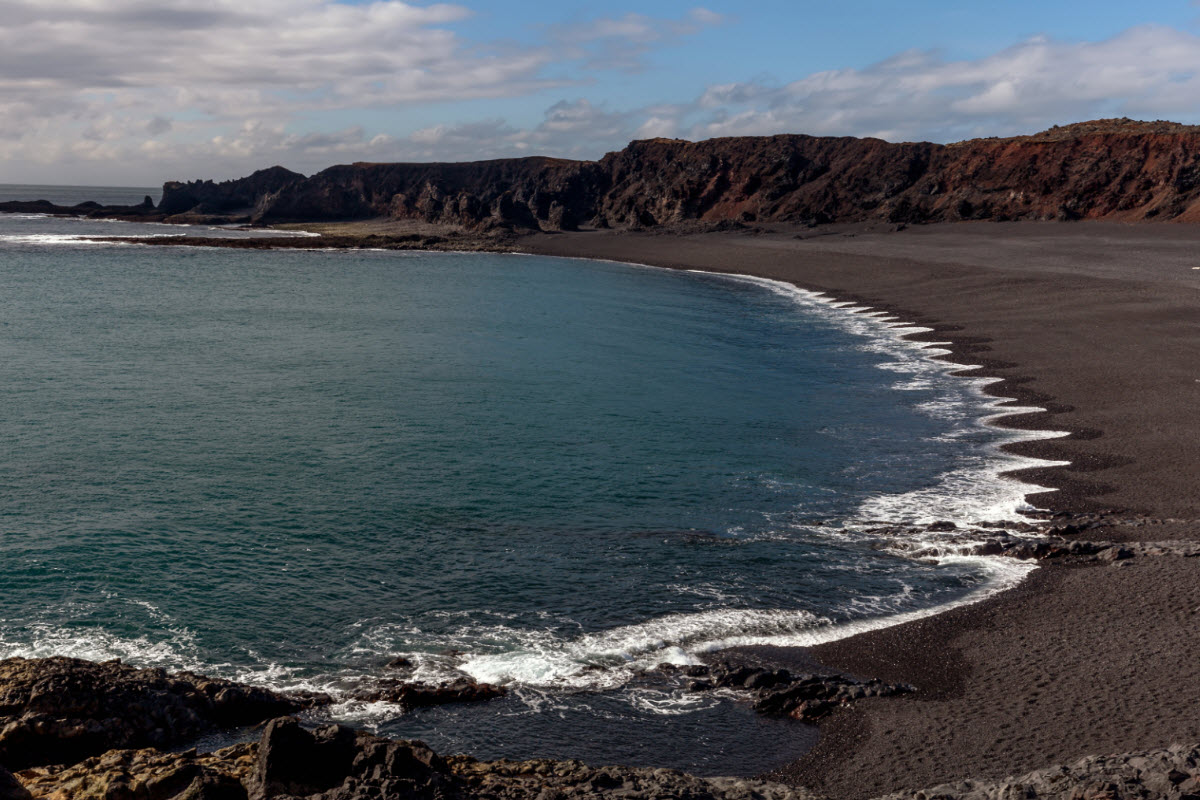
1116 169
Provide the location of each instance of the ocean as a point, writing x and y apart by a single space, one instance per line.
291 467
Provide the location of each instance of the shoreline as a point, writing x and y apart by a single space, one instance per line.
1075 660
1096 324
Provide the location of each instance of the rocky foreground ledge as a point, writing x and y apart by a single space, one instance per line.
337 763
76 730
63 710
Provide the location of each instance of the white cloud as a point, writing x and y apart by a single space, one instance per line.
622 43
139 91
227 85
1145 71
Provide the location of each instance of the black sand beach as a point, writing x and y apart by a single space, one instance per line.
1098 323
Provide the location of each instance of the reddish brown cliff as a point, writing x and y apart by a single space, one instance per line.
1106 169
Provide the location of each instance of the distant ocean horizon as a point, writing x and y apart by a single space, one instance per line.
66 195
292 467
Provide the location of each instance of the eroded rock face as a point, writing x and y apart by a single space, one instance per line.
61 710
1105 169
546 780
337 763
147 775
519 194
242 194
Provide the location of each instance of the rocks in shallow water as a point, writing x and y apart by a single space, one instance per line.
778 691
62 710
420 695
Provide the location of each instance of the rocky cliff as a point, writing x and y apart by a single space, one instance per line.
1106 169
228 197
520 192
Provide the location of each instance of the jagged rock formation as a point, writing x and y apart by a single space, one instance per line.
1106 169
241 196
78 709
338 763
59 710
519 192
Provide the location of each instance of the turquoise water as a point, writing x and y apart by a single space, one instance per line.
291 467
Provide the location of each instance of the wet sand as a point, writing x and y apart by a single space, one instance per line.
1099 323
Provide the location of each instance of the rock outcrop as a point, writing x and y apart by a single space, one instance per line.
241 196
805 697
422 695
522 193
1106 169
61 710
146 774
338 763
1116 169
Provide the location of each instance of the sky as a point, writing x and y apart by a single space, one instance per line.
137 92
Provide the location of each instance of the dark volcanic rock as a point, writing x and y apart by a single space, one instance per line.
778 691
1170 774
419 695
550 780
338 763
1114 169
147 775
61 710
11 788
519 194
143 212
1107 169
243 194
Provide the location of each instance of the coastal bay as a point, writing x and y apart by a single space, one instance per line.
1094 322
1097 323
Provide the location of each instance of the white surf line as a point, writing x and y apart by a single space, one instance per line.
879 323
893 329
558 661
